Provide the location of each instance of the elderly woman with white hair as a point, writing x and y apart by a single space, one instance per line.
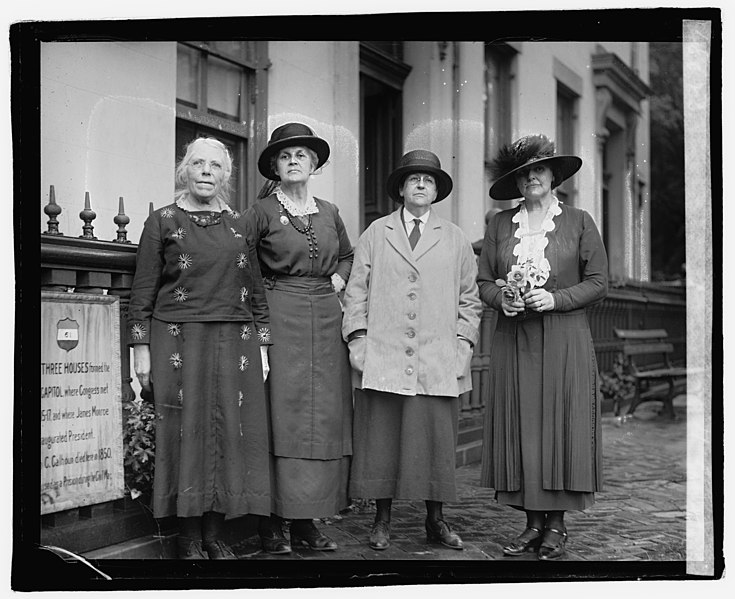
199 326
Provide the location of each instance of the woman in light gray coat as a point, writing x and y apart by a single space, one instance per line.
412 313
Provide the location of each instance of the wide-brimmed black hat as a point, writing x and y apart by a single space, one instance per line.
289 135
522 153
419 161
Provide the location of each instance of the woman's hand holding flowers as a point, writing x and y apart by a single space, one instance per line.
539 300
513 291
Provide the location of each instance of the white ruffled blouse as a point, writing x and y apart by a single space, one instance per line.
532 244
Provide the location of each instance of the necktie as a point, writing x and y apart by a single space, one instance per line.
413 238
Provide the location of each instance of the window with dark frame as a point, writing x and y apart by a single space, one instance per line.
498 79
220 92
382 73
566 130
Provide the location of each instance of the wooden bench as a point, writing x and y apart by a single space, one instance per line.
647 343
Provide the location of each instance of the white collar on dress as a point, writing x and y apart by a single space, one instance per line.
288 204
185 203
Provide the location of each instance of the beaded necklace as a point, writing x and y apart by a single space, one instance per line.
205 219
304 226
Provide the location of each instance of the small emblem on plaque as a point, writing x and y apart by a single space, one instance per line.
67 334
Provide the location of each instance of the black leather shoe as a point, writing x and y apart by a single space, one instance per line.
187 548
305 533
553 544
271 536
380 535
438 531
528 540
218 550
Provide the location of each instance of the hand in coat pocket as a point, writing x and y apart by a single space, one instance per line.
357 353
464 358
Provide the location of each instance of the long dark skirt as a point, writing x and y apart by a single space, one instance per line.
212 427
310 399
404 446
532 495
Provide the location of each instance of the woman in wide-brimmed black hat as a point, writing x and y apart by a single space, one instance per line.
542 264
306 257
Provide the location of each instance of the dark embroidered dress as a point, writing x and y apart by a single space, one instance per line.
198 300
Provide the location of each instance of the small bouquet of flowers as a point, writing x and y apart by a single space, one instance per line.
517 284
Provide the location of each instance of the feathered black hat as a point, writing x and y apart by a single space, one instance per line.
522 153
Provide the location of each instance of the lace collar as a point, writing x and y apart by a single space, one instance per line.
288 204
531 245
184 202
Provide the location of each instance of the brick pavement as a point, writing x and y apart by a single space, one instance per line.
640 514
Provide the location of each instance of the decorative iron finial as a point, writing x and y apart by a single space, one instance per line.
121 220
87 215
52 210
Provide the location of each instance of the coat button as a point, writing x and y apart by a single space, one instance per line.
412 277
409 351
410 333
409 370
412 315
412 296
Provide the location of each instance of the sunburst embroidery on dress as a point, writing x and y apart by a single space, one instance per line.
243 293
167 212
240 397
179 233
264 335
185 261
242 260
174 328
235 233
245 332
181 396
176 360
181 294
235 214
244 362
137 331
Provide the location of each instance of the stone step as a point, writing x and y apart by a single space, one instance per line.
163 546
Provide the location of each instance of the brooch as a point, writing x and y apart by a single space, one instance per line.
284 219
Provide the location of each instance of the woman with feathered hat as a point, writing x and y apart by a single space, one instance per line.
542 264
305 257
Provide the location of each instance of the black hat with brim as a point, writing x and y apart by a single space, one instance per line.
288 136
419 161
523 153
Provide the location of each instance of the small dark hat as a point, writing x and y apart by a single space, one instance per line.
289 135
419 161
522 153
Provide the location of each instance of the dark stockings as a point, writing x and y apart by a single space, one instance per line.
555 520
433 510
202 528
382 507
191 528
541 520
212 523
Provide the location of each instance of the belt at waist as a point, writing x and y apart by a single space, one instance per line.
307 285
528 314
